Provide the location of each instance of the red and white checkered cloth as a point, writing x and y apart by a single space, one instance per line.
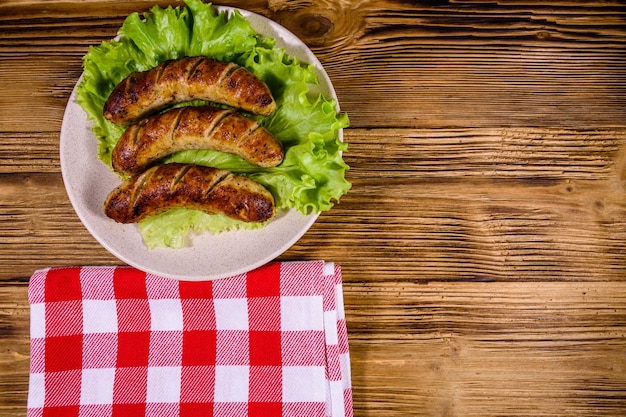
114 341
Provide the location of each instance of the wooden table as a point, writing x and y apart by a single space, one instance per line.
483 243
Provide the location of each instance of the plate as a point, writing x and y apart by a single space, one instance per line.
206 257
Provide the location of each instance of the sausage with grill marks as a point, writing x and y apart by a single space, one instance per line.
186 79
204 127
168 186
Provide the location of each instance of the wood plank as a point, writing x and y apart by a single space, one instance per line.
488 349
36 218
474 204
15 348
547 154
29 152
536 64
508 233
35 101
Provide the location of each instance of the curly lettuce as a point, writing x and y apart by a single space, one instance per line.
312 176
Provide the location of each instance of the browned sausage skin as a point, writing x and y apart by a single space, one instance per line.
186 79
168 186
191 127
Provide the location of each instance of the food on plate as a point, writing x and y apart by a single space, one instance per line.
307 120
186 79
191 127
168 186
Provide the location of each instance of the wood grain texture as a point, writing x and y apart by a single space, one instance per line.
433 65
483 242
515 349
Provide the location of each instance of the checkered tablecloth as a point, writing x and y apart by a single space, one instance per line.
114 341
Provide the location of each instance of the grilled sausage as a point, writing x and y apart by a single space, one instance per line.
186 79
194 128
211 190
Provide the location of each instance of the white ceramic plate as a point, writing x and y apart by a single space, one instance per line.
88 181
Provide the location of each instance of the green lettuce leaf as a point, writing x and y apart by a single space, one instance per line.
312 176
170 228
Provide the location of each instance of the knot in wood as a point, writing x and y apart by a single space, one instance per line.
315 25
543 35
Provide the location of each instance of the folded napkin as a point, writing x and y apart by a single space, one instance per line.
114 341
